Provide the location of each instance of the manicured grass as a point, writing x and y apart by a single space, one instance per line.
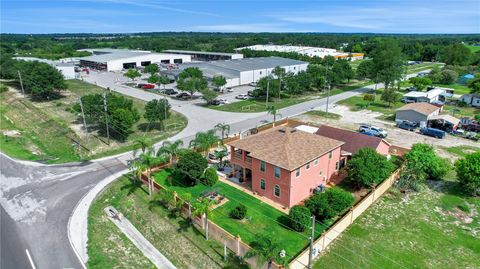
421 67
459 89
461 111
48 129
355 64
173 236
357 103
261 218
461 151
258 104
420 230
323 114
474 49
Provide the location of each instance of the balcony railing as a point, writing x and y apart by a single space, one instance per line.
238 155
248 160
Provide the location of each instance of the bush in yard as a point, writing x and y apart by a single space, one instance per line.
299 217
368 168
468 173
369 97
426 162
239 212
190 167
330 203
210 176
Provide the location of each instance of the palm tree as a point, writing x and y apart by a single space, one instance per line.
220 154
144 163
279 73
203 208
203 141
266 249
143 143
170 149
224 128
272 111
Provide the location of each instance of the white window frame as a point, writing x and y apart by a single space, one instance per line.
315 162
279 190
264 184
275 169
297 172
264 166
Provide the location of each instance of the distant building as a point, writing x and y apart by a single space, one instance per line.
284 164
206 56
119 59
465 78
66 68
308 51
243 71
472 99
431 96
417 112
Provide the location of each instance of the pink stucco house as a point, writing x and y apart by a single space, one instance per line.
285 164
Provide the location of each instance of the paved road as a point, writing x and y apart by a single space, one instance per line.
39 199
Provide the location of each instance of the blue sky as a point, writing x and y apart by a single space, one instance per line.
121 16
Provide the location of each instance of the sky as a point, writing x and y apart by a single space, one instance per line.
339 16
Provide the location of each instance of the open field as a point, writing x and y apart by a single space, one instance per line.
421 67
437 227
261 218
474 49
174 237
258 104
459 89
323 114
47 130
461 151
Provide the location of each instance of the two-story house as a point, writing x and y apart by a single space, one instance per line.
285 164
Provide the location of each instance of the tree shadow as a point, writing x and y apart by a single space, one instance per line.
184 225
284 220
133 186
146 127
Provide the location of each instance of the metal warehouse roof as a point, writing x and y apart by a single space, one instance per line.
248 64
200 52
210 71
103 58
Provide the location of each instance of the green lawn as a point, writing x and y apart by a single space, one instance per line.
47 129
461 151
434 228
261 218
323 114
474 49
174 237
421 67
258 104
355 64
460 111
459 89
357 103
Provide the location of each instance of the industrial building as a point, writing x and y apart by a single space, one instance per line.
243 71
119 59
308 51
206 56
66 68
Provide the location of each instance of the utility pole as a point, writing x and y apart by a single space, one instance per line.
83 115
375 92
328 89
268 85
312 237
21 81
106 116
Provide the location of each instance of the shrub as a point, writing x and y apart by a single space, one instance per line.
299 217
190 167
367 168
239 212
477 117
468 173
330 203
369 97
423 159
210 177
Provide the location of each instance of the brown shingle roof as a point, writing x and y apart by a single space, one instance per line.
286 147
423 108
353 141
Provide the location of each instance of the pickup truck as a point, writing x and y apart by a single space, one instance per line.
433 132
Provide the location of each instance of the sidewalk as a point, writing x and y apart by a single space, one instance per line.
138 240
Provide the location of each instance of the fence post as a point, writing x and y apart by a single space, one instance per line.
373 194
351 214
323 241
238 244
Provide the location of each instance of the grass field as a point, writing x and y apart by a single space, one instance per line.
474 49
258 104
437 227
183 245
261 218
461 151
323 114
47 130
357 103
459 89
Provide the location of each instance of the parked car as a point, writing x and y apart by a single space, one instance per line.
223 101
183 95
250 93
253 84
407 125
411 89
170 91
140 85
407 101
229 89
241 97
148 86
215 102
433 132
472 136
372 130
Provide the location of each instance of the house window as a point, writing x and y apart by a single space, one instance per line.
262 166
321 172
278 172
297 172
336 166
316 162
260 72
276 191
262 184
330 155
307 166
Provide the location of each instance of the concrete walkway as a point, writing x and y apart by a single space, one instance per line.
138 240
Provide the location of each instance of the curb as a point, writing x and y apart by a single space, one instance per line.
78 221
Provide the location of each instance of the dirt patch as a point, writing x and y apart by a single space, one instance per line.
11 133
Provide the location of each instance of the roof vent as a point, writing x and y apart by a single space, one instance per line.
282 130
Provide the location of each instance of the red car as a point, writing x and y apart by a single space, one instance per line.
148 86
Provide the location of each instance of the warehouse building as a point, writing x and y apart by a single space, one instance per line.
66 68
244 71
119 59
206 56
308 51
